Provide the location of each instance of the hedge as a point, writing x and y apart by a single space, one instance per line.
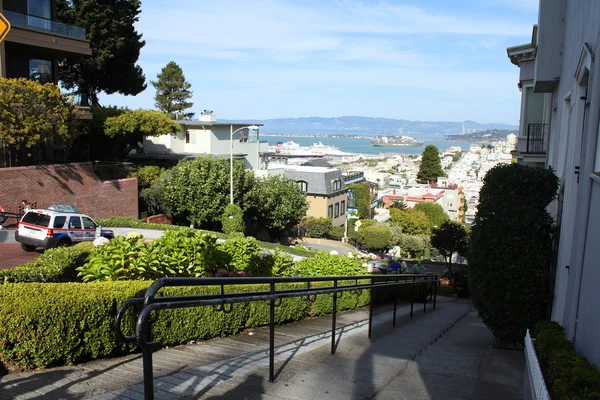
48 324
568 375
54 265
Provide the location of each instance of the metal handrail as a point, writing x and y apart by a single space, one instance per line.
151 302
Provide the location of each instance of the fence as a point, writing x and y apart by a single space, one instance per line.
224 302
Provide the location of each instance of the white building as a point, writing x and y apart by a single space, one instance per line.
207 136
560 112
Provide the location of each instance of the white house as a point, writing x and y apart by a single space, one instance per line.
207 136
560 112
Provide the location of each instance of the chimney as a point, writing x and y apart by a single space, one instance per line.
207 116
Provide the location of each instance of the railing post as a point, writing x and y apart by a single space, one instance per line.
395 302
412 297
147 362
333 317
272 336
435 287
371 291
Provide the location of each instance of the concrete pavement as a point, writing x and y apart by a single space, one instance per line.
443 354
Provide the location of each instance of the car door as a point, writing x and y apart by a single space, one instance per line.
75 229
89 229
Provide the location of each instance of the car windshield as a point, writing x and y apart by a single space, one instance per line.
36 219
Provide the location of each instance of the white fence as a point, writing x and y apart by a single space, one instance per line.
535 386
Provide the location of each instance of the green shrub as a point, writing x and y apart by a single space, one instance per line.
59 324
375 238
233 219
317 227
128 222
147 175
510 249
324 264
568 375
336 233
54 265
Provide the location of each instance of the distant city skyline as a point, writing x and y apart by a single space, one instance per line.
413 60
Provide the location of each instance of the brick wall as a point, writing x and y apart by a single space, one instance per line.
74 184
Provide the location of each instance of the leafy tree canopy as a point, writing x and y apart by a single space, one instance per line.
435 213
451 237
363 197
278 203
430 168
140 122
31 112
173 92
115 45
412 221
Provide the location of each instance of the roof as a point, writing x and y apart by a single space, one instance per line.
317 163
319 180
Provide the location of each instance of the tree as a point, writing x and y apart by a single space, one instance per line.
375 238
451 237
435 213
510 249
362 194
31 112
317 227
412 221
135 124
277 204
197 191
399 204
430 168
233 220
173 92
115 45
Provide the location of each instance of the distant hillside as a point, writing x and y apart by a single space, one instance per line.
491 134
371 126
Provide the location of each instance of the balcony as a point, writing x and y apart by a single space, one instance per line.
33 22
355 177
535 139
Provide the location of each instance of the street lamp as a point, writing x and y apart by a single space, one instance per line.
232 132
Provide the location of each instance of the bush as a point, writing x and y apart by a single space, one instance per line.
510 249
568 375
59 324
54 265
336 233
324 264
233 220
375 238
147 175
317 227
128 222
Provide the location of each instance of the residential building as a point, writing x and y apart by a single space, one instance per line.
561 98
206 136
325 191
37 42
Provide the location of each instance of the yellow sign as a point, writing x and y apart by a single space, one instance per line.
4 27
358 224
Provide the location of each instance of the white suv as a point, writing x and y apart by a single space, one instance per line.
57 226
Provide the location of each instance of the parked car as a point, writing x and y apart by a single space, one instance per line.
56 226
377 266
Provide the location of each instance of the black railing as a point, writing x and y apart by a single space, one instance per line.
535 138
354 177
150 304
48 25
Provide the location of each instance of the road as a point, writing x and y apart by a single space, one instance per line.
12 255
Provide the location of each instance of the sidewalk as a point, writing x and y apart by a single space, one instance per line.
443 354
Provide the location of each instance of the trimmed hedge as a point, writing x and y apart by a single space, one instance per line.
47 324
54 265
568 375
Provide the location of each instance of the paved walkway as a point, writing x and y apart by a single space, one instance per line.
443 354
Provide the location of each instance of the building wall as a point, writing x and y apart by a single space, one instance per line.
574 138
319 205
74 184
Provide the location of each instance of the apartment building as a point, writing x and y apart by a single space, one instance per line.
37 42
560 114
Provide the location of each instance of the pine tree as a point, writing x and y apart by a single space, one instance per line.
430 168
172 92
115 45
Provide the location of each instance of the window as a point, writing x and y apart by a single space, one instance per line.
40 70
343 207
74 223
330 211
187 135
39 14
36 219
336 185
59 221
337 210
88 223
303 186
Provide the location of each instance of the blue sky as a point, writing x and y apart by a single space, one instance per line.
434 60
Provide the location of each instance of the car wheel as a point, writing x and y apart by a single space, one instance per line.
27 248
63 243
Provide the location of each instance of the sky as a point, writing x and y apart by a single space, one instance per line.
428 60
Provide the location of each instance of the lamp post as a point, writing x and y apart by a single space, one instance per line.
231 133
